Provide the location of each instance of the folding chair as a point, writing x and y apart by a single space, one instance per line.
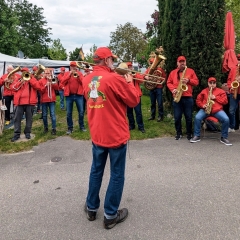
217 125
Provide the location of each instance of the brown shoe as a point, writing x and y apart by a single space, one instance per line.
91 215
121 216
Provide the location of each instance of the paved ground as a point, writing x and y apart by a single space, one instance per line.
173 190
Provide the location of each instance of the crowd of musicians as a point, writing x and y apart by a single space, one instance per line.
37 87
112 95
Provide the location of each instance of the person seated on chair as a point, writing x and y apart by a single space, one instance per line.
211 101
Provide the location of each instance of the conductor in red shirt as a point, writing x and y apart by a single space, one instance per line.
108 94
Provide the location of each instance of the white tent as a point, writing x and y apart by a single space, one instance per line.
7 60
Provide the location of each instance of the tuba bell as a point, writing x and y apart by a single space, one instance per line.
9 77
153 70
40 70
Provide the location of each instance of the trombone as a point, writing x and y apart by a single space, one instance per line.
122 69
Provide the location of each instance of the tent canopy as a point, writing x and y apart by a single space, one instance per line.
7 60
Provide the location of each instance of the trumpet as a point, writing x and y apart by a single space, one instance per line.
26 76
75 74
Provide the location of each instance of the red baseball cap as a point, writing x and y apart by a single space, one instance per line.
129 64
63 68
151 60
35 68
181 58
73 64
24 69
102 53
212 79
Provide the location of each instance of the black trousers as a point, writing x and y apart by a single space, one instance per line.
8 100
18 113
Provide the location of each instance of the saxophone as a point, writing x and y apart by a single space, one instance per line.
181 87
235 83
209 103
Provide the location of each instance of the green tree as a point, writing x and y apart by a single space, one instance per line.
89 56
127 41
170 32
202 39
34 35
8 30
56 51
74 55
152 39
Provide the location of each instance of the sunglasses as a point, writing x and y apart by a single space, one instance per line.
212 82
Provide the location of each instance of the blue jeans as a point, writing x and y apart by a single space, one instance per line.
61 98
78 99
51 106
139 119
221 116
156 95
233 104
117 176
184 106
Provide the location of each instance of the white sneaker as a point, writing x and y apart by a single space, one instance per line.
231 130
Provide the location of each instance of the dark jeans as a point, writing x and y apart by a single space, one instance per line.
233 104
39 101
61 94
184 106
8 100
139 119
78 99
117 176
51 106
156 95
18 113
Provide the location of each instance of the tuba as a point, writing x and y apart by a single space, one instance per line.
235 83
181 87
210 102
9 77
150 85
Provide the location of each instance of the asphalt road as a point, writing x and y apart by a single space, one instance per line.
173 190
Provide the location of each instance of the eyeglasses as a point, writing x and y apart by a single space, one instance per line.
212 82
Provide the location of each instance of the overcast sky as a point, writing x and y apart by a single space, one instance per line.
78 22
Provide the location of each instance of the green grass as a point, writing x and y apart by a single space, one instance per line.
153 129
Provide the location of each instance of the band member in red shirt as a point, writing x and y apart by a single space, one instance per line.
7 92
186 76
108 94
25 99
138 109
211 101
156 95
234 98
73 91
48 99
